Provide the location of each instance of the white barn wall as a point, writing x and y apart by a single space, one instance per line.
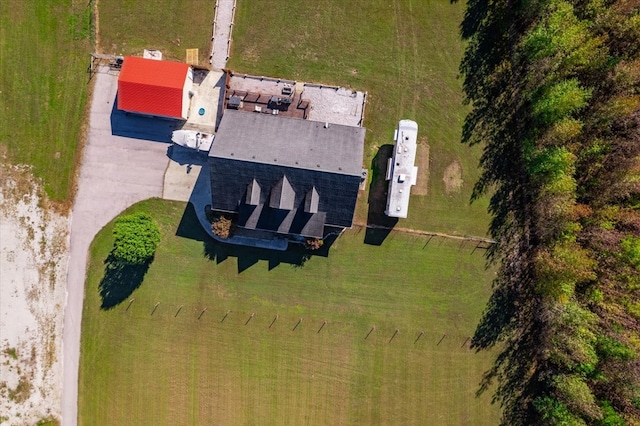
186 99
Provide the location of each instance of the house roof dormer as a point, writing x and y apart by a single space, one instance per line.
282 195
311 201
253 193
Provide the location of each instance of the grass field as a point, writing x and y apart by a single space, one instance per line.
141 366
405 54
44 48
128 27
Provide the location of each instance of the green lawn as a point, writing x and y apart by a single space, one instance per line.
128 27
177 363
143 367
44 48
405 55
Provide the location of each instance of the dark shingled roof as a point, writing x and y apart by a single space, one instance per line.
291 195
287 141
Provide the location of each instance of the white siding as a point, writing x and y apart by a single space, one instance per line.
186 99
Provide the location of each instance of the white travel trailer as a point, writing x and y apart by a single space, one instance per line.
401 171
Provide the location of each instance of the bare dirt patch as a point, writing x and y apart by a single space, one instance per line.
33 261
453 178
422 161
251 54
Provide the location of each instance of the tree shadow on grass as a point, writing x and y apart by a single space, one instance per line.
120 280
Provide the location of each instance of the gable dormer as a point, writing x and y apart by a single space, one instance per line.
253 193
311 201
282 195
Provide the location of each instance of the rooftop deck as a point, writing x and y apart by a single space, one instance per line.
315 102
265 95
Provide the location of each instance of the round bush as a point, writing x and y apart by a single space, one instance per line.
136 238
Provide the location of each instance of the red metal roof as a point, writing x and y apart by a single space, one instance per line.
151 87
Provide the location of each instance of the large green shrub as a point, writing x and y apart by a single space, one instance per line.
136 238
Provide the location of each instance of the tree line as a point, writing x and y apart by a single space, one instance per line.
554 88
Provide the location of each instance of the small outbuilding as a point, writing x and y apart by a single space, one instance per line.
156 88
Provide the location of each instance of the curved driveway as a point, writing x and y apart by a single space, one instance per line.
124 161
116 172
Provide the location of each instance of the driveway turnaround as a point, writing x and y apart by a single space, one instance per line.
118 169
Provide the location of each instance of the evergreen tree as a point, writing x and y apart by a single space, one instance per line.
555 94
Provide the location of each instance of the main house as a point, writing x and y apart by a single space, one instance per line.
285 176
156 88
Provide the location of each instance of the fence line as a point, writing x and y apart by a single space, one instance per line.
364 105
323 86
426 233
262 77
413 337
233 17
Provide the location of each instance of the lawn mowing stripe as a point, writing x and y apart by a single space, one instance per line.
257 372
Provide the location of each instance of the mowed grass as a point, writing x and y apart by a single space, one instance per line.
166 367
44 48
128 27
405 54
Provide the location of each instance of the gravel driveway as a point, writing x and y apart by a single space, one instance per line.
117 171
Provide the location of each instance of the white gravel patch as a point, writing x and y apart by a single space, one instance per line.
336 105
33 265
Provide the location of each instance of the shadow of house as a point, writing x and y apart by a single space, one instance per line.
190 227
296 255
379 225
285 177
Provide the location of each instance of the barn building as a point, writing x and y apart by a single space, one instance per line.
155 88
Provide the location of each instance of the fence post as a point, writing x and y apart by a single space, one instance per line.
297 324
370 331
202 313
